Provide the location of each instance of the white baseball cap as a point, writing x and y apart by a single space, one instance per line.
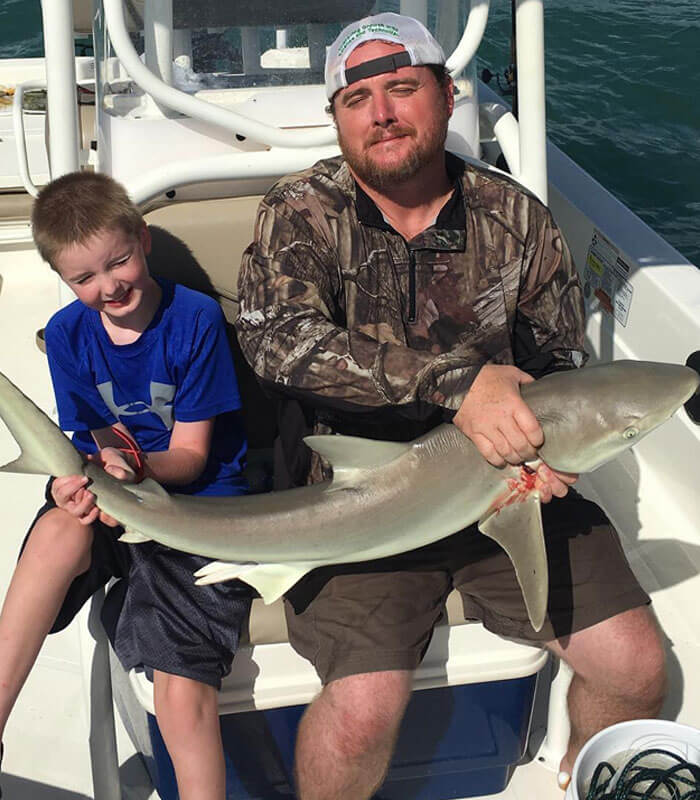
420 45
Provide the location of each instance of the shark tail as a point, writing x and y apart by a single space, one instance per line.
45 450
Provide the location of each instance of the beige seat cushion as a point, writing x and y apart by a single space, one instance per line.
267 624
200 244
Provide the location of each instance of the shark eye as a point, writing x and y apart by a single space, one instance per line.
630 433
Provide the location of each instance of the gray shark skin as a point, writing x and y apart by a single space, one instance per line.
385 497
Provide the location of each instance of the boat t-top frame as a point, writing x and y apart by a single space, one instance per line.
523 141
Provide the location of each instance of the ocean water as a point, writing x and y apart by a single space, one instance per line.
623 81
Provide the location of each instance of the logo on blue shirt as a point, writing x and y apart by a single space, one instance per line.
162 395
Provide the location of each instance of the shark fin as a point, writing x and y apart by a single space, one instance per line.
349 454
147 489
133 537
45 449
271 580
517 528
32 466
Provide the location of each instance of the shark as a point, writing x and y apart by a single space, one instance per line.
384 497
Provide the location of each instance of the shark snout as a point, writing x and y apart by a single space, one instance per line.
692 406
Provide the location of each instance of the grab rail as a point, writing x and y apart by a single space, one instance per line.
471 38
177 100
261 164
20 139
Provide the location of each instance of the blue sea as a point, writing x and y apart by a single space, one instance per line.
623 79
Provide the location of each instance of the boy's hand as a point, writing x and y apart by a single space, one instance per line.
69 494
114 463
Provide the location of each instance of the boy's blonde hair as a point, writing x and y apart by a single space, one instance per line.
76 206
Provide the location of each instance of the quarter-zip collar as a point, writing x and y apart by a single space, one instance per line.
448 232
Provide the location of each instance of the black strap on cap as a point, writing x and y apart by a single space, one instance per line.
377 66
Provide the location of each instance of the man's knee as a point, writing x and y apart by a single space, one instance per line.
641 670
624 655
367 709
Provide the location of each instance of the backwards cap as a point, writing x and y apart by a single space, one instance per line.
420 45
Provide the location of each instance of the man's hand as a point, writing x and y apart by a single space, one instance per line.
550 483
504 429
495 417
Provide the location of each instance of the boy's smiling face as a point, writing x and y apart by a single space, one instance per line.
109 273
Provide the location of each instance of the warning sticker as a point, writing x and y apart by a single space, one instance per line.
605 278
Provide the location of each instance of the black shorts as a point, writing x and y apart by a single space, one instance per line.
155 615
379 615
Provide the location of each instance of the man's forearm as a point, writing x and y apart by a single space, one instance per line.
297 350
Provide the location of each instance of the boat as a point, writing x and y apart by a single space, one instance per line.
198 107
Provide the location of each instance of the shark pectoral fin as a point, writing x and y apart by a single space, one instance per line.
133 537
271 580
221 571
517 528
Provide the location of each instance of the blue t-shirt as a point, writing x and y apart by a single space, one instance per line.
179 369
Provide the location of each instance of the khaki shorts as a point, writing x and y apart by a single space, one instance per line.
379 615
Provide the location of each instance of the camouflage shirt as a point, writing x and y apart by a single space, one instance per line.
370 334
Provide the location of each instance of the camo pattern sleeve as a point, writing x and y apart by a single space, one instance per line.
338 309
551 299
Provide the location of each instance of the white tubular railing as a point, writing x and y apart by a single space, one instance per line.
158 35
170 97
62 104
529 40
507 133
262 164
20 139
523 141
471 38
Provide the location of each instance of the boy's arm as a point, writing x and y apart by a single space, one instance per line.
181 464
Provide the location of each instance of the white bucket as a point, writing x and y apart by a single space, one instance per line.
635 736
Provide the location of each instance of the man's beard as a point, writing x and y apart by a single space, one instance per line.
380 176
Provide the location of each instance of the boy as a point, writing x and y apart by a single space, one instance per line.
144 362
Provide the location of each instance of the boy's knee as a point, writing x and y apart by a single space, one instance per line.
184 699
61 538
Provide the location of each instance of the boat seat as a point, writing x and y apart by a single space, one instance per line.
200 244
267 624
15 206
201 248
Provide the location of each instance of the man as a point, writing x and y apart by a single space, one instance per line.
389 290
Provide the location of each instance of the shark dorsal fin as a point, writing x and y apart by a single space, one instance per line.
348 454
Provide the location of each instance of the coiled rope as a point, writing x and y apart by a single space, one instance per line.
671 782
